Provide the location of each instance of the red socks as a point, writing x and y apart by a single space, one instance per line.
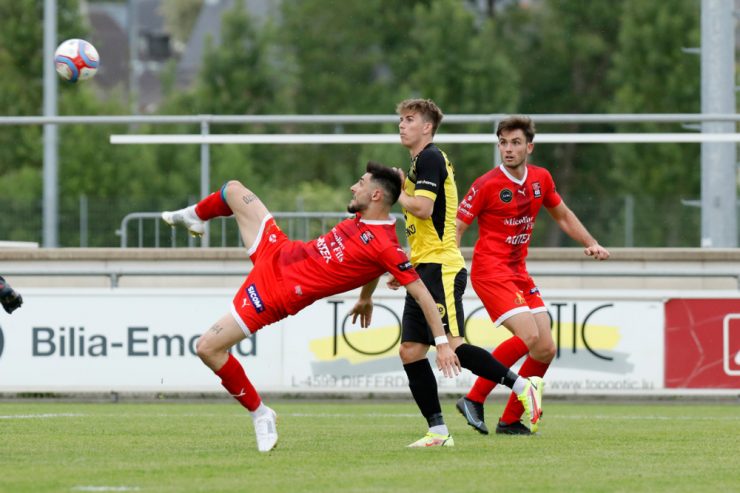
508 353
213 206
235 381
530 368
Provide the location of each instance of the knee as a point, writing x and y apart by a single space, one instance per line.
544 351
531 339
230 187
205 350
411 351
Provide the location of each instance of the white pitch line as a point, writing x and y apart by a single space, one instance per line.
41 416
552 416
106 488
349 415
656 418
375 415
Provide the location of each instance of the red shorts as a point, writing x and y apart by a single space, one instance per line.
508 296
260 300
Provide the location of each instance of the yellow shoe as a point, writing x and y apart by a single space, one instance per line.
434 440
531 399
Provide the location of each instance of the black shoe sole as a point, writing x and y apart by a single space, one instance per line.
482 431
511 430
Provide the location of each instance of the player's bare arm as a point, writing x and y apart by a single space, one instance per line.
420 207
393 283
460 228
446 358
572 226
364 306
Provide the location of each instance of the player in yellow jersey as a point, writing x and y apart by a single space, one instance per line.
429 202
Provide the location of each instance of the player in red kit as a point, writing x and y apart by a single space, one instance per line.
289 275
506 201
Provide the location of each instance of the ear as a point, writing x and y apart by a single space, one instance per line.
428 127
530 147
377 194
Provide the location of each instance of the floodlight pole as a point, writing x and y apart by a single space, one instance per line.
205 174
51 144
718 159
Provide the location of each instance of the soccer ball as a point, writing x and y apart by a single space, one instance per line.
76 60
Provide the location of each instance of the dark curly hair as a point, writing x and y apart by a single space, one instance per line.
388 179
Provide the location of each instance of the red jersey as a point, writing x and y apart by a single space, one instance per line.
506 209
353 253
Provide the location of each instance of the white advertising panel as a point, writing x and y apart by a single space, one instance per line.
144 340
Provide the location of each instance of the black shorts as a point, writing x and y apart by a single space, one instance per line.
447 286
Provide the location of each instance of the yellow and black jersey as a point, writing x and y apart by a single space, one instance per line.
433 240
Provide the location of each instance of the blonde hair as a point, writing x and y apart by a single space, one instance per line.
427 108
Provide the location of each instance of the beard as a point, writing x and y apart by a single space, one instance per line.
354 208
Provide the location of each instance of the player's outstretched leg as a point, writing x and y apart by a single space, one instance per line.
473 413
194 217
531 399
213 349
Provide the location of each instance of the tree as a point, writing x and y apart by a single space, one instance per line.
180 17
563 52
653 75
451 61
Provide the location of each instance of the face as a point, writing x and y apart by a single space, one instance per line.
514 148
363 193
413 129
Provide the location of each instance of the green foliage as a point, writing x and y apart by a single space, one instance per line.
655 76
339 57
21 56
563 53
180 17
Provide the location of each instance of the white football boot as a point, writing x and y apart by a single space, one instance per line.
265 428
185 217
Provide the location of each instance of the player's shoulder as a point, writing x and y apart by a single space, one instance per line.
379 234
537 171
490 177
431 154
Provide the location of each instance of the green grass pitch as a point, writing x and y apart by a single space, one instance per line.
359 446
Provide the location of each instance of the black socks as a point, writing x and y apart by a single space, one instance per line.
483 364
423 385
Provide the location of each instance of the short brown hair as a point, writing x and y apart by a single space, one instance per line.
427 108
517 122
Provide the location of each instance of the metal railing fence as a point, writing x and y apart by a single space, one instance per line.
303 226
689 122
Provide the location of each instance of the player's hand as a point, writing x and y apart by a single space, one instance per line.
393 283
597 251
9 298
447 361
364 310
